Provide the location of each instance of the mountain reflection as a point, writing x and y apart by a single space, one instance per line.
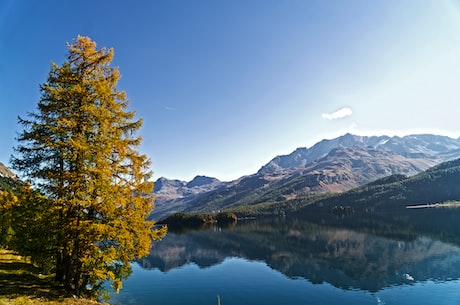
393 254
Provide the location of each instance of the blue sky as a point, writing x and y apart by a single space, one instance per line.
225 86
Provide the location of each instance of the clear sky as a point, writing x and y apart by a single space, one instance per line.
225 86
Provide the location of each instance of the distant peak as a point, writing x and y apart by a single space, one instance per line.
201 180
164 179
164 182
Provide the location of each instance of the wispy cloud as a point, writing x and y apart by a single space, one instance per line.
169 108
339 114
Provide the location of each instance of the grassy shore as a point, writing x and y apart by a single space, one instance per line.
22 284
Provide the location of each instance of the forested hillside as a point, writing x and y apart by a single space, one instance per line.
435 185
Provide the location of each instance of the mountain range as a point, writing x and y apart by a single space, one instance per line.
330 166
337 166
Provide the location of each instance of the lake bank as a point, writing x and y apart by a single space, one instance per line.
454 204
22 283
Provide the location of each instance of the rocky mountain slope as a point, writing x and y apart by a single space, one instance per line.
333 165
173 195
6 172
341 170
425 145
8 180
438 184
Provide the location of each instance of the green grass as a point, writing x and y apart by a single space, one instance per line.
22 284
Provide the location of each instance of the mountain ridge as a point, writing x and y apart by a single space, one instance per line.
427 144
324 167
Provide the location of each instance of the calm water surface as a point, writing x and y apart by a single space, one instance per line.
405 259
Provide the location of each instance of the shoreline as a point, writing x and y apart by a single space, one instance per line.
455 204
22 283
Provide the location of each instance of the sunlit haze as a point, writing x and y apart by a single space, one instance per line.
225 86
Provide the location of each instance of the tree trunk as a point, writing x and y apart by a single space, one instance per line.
59 268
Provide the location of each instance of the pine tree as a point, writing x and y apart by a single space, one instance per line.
81 150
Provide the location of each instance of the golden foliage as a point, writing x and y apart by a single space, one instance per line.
81 150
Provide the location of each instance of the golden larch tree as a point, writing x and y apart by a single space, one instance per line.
80 148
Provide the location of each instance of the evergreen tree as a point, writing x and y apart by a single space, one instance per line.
81 150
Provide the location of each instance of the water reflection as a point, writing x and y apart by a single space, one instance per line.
400 250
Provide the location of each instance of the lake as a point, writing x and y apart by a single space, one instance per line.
409 257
